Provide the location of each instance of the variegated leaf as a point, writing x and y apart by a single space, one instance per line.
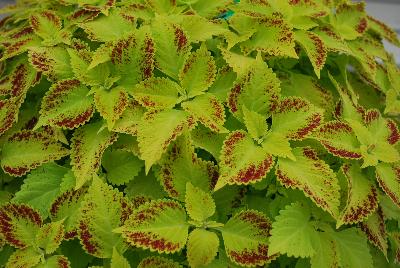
313 176
47 24
87 148
26 258
350 20
374 228
50 236
26 150
56 261
157 225
388 177
199 204
130 118
111 104
242 161
158 262
383 30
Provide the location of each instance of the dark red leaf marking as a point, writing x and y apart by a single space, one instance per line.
11 113
391 192
25 31
374 237
362 25
86 238
389 34
19 81
321 52
152 241
359 212
181 40
147 65
394 136
63 262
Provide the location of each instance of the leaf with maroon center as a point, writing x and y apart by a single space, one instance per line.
242 161
362 196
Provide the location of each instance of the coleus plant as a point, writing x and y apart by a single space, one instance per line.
195 133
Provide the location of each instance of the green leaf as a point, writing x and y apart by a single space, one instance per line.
157 130
333 41
293 233
51 61
362 199
388 177
202 247
56 261
19 224
181 165
24 258
158 225
47 24
339 139
295 118
314 47
374 228
66 105
66 207
199 204
111 27
157 93
87 147
350 20
278 145
171 45
158 262
41 188
121 166
208 140
383 30
198 72
353 249
111 104
242 161
200 29
257 89
130 118
327 254
255 123
102 210
26 150
210 9
145 186
50 236
245 238
118 261
239 63
208 110
313 176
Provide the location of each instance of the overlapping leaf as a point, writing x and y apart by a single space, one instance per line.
374 228
202 247
388 176
158 262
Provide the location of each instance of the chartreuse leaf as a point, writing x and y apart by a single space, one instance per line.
158 262
118 261
157 93
111 104
374 228
199 204
24 258
26 150
245 238
313 176
293 233
50 236
202 247
41 187
388 177
66 105
133 58
208 140
51 61
198 72
295 118
121 166
333 41
157 225
87 148
353 249
56 261
200 29
210 9
350 20
383 30
314 47
19 224
130 118
242 161
181 165
208 110
362 198
171 46
255 123
157 130
111 27
102 210
47 24
257 89
326 255
277 144
18 42
66 207
339 139
239 63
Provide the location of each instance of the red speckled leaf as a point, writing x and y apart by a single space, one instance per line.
26 150
374 228
9 109
339 139
180 165
25 258
57 261
18 42
158 262
388 177
350 20
19 224
242 161
208 110
98 5
87 148
66 207
47 24
362 197
66 105
314 47
103 210
81 16
158 225
111 104
130 118
50 236
245 238
313 176
383 30
295 118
